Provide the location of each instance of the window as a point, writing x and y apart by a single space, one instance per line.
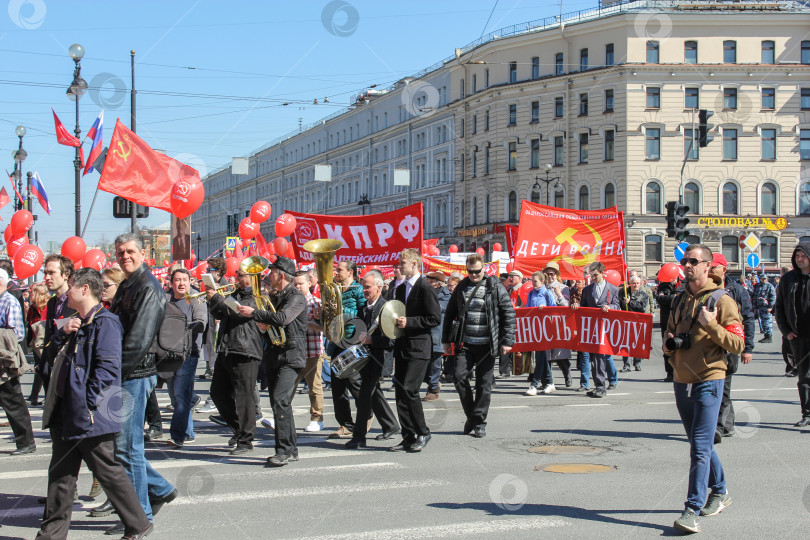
691 197
559 198
486 210
583 198
474 164
558 151
804 199
610 195
769 98
583 59
768 249
768 144
609 61
653 248
512 215
486 78
583 104
690 52
461 91
731 248
729 144
583 148
609 100
512 158
474 83
559 69
535 196
652 52
534 154
805 104
768 52
461 127
535 67
691 98
768 198
512 114
558 107
691 148
805 52
610 143
475 211
652 197
486 120
729 52
535 117
804 144
512 72
653 97
730 199
653 143
729 98
486 160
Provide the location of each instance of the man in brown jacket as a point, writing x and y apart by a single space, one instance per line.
703 326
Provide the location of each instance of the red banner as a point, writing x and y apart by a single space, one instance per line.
437 265
571 238
511 239
623 333
375 239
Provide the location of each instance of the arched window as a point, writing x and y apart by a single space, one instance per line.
486 211
610 195
584 196
475 211
691 197
512 214
653 248
804 199
731 248
730 199
653 198
535 195
768 198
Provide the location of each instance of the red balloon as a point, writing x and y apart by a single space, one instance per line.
285 225
231 266
524 291
165 263
21 221
28 261
453 248
260 211
186 197
435 250
510 266
228 253
280 245
613 277
670 272
290 251
497 246
269 250
73 248
481 251
14 246
7 234
248 229
199 270
94 258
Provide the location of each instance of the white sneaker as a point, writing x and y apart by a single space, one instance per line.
549 388
314 426
268 423
532 391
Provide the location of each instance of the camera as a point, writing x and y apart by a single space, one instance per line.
680 341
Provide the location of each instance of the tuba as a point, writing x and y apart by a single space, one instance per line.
323 251
254 266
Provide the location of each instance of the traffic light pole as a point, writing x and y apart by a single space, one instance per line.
686 157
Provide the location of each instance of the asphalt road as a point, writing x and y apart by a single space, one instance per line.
494 487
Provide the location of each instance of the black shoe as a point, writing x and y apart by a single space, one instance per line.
232 441
569 382
139 535
637 367
385 435
279 460
27 449
791 373
158 502
241 449
468 427
218 420
669 378
115 530
766 339
718 437
597 393
208 374
354 444
420 442
625 369
104 510
153 434
404 444
802 423
480 432
612 386
583 389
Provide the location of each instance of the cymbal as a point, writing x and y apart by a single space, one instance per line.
391 311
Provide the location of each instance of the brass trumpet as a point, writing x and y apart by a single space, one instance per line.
254 266
200 296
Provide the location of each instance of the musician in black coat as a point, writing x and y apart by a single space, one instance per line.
371 398
412 351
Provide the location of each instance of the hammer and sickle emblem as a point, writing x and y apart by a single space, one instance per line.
123 151
568 236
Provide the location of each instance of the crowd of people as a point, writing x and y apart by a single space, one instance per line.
102 342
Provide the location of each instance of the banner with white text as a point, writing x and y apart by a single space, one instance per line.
373 239
622 333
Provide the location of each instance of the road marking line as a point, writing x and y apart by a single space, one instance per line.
660 403
589 405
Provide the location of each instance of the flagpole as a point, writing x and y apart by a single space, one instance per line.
133 212
90 213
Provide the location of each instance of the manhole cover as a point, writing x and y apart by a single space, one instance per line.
566 449
576 468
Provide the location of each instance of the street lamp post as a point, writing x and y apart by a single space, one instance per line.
19 156
199 239
75 92
547 180
363 202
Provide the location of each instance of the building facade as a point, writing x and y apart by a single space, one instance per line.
585 111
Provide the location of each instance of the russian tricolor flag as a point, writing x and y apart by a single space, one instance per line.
95 150
38 190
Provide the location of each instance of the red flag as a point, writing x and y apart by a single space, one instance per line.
139 174
22 201
4 198
63 136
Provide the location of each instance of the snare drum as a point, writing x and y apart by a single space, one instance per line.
350 361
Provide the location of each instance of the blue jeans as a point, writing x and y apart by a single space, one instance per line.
129 450
182 426
699 410
542 370
584 364
434 372
612 373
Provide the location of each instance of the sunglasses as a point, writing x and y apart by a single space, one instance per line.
692 261
108 285
474 272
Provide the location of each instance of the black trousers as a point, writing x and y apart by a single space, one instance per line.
409 375
371 399
801 359
233 392
281 384
725 419
787 354
153 417
475 405
98 453
343 390
13 402
505 365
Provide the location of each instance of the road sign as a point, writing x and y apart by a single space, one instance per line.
751 241
753 260
680 250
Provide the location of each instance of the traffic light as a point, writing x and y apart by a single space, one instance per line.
676 222
703 128
122 208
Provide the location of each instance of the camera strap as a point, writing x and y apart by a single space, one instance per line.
709 300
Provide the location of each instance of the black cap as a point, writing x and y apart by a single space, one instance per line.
284 264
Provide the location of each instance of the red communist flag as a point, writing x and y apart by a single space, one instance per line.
137 173
4 198
63 136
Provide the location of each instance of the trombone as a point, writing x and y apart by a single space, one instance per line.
254 266
200 296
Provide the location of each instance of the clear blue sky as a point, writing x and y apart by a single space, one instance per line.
195 61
